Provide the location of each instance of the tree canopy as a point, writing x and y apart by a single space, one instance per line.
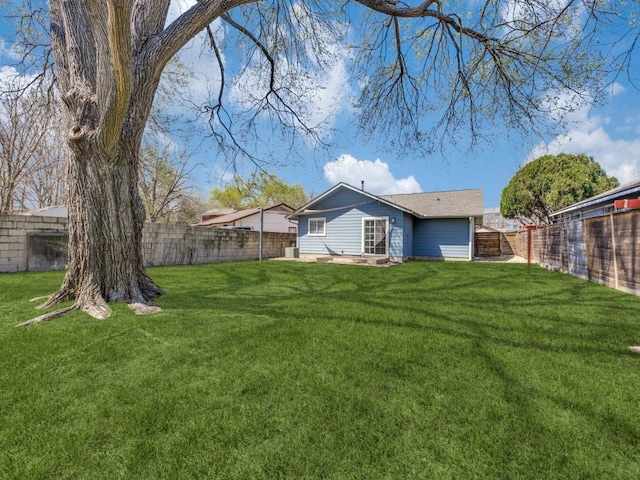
262 189
551 183
463 66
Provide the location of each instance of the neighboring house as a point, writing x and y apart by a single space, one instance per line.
274 219
493 219
346 220
601 204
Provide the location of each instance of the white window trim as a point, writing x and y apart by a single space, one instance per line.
387 233
324 225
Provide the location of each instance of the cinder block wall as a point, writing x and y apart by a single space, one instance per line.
165 244
14 235
162 244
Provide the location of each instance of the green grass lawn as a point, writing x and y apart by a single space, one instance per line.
288 370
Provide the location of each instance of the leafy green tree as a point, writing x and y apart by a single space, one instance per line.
261 189
551 183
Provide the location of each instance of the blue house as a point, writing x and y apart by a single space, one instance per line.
346 220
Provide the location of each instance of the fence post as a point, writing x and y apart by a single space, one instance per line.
529 248
564 246
260 247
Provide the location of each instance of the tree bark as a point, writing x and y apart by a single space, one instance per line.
106 218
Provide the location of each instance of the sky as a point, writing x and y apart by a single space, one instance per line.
608 130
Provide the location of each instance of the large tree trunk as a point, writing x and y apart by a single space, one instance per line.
107 92
106 218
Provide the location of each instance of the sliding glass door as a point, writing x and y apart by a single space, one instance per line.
374 240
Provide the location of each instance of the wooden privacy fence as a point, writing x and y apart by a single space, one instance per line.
492 244
604 250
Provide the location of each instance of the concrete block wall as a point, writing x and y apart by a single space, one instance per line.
14 238
162 244
165 244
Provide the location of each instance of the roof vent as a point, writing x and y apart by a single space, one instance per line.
362 185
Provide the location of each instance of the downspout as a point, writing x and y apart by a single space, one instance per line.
295 222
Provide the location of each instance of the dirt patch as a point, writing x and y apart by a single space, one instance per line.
501 259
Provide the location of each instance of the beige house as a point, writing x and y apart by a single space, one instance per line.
274 220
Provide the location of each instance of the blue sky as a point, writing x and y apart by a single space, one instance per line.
610 132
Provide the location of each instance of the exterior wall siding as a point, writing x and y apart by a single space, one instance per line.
441 238
343 234
408 235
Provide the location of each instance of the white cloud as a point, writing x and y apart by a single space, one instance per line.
520 16
200 64
8 50
332 96
376 175
10 78
317 89
616 89
321 94
567 107
220 176
588 134
8 75
178 7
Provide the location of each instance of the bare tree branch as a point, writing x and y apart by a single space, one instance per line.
280 107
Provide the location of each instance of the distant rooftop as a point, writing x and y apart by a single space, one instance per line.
240 214
60 211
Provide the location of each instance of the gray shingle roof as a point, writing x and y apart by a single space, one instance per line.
453 203
608 196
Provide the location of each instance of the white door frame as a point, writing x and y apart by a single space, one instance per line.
386 234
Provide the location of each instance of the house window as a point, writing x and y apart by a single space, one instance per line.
317 227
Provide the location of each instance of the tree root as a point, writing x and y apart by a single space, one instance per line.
50 316
62 295
37 299
144 309
92 302
98 310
